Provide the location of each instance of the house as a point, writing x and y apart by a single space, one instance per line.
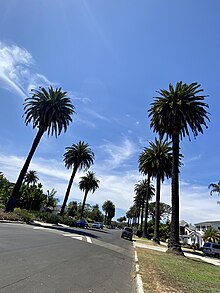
189 235
202 226
193 234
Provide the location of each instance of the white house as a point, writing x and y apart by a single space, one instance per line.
202 226
193 234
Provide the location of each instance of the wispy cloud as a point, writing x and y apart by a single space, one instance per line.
17 70
196 204
117 155
96 114
79 97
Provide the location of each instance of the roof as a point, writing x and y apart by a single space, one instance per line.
208 223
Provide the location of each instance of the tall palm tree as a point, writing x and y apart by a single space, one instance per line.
145 167
78 157
158 157
173 113
141 199
109 209
215 187
138 204
50 111
31 177
87 183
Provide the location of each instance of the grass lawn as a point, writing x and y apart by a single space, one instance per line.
162 272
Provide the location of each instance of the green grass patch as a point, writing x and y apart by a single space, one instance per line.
163 272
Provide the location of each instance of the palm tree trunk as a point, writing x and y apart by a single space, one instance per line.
83 205
138 215
174 244
68 190
15 192
142 215
145 233
157 212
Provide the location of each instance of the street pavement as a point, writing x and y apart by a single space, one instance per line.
44 259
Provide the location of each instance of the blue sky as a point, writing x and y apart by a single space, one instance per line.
111 57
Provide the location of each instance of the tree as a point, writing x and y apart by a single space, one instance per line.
5 189
211 235
158 157
31 197
72 209
145 167
215 187
87 183
109 209
51 201
31 177
79 157
165 211
173 113
121 219
129 215
49 111
96 215
141 199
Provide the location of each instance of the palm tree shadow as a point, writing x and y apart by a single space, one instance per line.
73 230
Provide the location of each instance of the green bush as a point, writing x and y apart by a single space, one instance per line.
49 218
27 216
68 221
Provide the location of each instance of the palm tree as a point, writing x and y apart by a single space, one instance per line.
158 156
31 177
215 187
51 201
87 183
129 215
50 111
141 200
109 209
211 235
172 114
79 157
138 204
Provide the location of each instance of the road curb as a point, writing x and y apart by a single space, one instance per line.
139 283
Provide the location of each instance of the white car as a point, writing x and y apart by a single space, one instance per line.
97 225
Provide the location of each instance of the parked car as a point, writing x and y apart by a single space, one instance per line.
82 224
97 225
211 249
127 232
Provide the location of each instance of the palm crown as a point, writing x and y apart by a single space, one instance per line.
89 182
50 110
79 155
178 110
156 159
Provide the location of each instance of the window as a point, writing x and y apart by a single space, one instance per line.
216 246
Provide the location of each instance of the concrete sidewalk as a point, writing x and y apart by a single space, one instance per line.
213 261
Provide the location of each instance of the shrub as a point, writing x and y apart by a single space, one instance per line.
49 218
27 216
68 221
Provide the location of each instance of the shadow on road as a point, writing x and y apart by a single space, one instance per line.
84 232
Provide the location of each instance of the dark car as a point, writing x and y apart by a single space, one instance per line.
82 224
127 232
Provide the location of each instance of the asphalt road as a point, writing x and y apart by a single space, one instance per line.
37 260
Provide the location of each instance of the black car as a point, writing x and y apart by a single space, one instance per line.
82 224
127 232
